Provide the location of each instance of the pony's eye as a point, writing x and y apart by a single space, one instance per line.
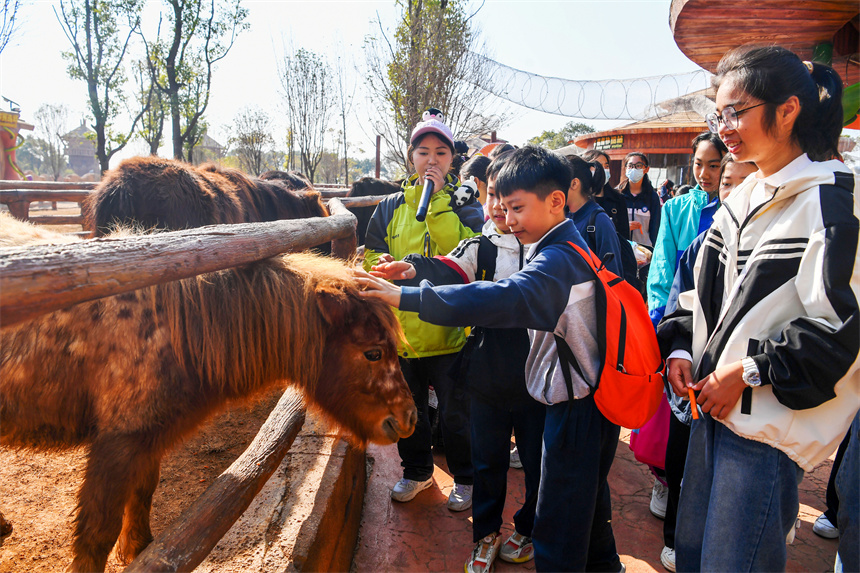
373 355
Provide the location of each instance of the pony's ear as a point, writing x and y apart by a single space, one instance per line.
333 305
315 206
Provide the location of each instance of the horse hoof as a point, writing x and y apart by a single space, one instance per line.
5 527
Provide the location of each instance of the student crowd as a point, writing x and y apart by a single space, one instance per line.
752 288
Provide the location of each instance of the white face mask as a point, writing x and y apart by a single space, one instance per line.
608 174
635 175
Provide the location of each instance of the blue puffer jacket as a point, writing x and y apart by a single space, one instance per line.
682 220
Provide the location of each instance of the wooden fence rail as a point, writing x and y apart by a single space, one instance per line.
18 200
37 280
53 185
192 535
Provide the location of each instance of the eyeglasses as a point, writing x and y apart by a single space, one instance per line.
636 166
729 116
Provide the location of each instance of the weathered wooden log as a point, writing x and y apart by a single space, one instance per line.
17 184
57 220
329 193
41 279
369 201
12 195
344 245
192 535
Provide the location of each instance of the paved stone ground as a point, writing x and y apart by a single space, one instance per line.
422 535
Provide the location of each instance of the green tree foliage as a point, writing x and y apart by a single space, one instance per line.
430 62
31 155
562 137
152 123
99 32
199 34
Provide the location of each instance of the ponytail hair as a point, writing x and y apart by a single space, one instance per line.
773 74
590 175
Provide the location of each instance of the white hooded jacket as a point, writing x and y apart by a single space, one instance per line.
780 283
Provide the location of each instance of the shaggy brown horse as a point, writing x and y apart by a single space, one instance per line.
155 193
369 187
130 375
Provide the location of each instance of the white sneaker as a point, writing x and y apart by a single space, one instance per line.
659 499
516 463
823 528
460 498
484 554
406 489
667 558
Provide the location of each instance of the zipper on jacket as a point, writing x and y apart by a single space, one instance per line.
723 311
522 254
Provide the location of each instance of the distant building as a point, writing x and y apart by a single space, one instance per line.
207 150
81 150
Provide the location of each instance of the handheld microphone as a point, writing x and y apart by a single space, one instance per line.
424 202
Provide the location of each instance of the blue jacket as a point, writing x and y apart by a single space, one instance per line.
684 281
605 235
553 293
683 219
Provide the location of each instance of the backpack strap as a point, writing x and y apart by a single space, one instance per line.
591 229
487 251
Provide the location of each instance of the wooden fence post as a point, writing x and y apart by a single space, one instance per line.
192 535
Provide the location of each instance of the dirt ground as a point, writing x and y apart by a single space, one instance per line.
37 490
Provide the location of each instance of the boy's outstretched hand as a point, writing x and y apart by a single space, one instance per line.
393 271
378 288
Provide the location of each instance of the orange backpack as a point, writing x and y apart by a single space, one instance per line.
630 381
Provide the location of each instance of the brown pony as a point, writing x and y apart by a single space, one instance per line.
155 193
130 375
369 187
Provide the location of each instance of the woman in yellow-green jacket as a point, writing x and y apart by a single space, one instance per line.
392 234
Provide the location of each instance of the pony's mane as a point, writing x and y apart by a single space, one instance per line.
249 325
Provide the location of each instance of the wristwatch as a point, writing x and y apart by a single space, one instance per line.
751 375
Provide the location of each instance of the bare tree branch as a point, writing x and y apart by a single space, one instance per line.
306 81
10 22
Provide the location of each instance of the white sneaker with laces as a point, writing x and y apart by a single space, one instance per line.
483 555
667 558
516 463
460 498
659 499
406 489
823 528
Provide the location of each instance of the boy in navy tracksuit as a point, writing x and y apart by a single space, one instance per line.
552 295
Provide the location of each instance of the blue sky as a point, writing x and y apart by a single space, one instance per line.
568 39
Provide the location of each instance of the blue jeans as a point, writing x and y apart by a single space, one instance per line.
738 503
848 489
573 525
491 458
416 453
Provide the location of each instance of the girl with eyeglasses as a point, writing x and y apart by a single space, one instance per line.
769 337
643 202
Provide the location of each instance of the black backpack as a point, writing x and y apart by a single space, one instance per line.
629 267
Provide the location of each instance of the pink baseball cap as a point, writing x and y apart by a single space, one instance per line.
433 123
